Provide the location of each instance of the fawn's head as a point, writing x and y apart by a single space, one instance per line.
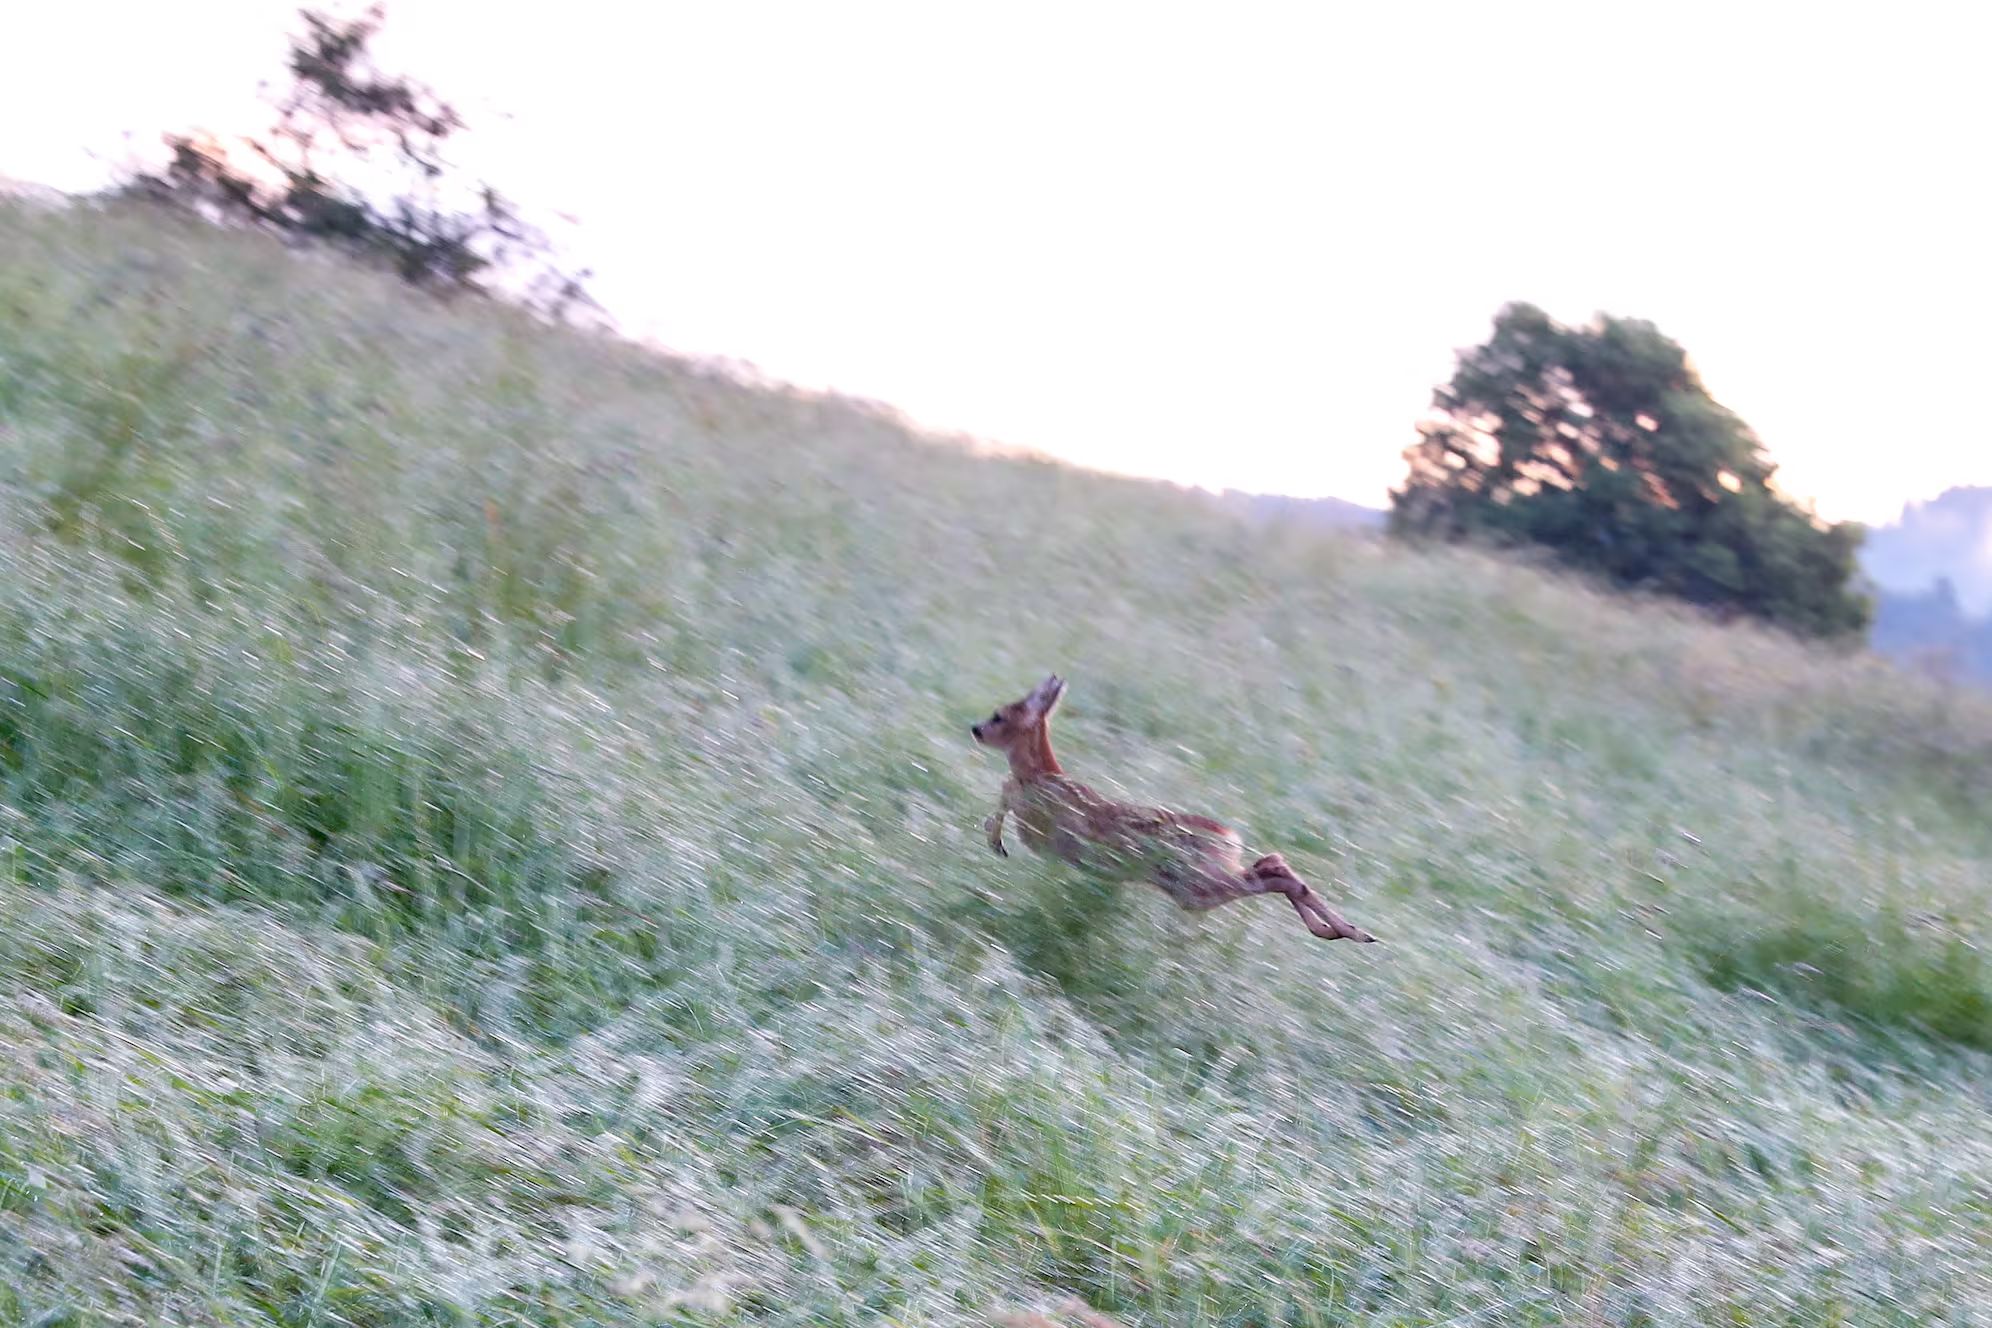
1020 725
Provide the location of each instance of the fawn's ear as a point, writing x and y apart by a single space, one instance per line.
1044 697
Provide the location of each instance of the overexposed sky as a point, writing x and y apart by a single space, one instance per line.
1229 244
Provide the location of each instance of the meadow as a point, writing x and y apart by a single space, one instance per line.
489 835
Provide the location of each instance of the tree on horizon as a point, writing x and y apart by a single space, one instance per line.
358 159
1600 443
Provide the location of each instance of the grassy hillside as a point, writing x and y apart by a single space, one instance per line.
488 834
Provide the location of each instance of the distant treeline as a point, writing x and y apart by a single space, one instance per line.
1935 567
1931 630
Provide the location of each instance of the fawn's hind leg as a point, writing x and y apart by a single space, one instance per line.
1220 883
1274 876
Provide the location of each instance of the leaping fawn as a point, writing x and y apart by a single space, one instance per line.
1198 862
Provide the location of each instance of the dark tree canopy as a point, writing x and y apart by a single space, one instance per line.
1601 443
357 159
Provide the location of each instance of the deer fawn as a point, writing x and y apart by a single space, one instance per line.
1198 862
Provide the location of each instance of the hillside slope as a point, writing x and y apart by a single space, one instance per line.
488 834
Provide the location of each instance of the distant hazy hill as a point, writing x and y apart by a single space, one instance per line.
1948 536
1328 513
1930 629
1934 568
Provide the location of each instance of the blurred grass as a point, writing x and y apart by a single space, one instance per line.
488 835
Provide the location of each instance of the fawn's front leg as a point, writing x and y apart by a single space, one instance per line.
993 827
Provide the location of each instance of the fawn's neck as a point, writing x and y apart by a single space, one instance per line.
1033 758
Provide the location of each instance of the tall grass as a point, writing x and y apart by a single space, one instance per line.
488 835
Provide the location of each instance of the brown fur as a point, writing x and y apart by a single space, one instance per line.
1198 862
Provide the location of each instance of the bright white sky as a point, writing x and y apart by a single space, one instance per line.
1229 244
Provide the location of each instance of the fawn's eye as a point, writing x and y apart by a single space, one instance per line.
996 718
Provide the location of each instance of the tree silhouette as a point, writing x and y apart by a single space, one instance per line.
357 159
1601 443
